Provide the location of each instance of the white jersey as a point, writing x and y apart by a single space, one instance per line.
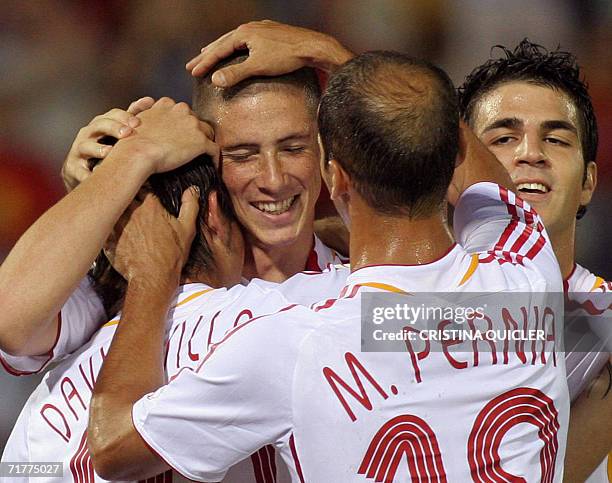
590 298
588 327
299 380
79 318
322 257
52 426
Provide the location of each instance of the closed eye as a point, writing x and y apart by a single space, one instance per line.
295 149
503 140
237 157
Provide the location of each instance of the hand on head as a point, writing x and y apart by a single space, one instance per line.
115 123
170 135
150 245
274 49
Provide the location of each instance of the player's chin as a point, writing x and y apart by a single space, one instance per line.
279 237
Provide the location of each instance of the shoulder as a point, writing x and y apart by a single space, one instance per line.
583 280
275 332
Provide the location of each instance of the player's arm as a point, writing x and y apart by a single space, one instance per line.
333 232
491 216
475 164
40 277
274 49
150 254
206 420
56 252
135 432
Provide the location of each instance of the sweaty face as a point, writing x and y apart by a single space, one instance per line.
269 156
534 132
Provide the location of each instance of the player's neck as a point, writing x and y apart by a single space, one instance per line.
380 239
564 244
277 263
209 279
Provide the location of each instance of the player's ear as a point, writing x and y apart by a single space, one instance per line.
590 182
214 219
339 180
217 225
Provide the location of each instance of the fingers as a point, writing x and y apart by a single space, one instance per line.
109 127
80 174
215 52
121 116
207 129
93 149
164 102
102 126
205 59
140 105
213 150
233 74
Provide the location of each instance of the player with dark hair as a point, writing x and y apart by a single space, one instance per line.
525 72
359 125
298 379
530 107
53 423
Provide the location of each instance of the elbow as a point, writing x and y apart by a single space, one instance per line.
105 442
103 456
99 450
102 464
110 463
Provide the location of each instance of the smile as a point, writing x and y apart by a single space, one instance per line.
532 188
275 207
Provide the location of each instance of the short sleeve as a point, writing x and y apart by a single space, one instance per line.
205 421
79 318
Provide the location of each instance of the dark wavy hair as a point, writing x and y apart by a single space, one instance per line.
168 188
532 63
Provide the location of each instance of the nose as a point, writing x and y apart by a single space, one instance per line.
530 151
271 175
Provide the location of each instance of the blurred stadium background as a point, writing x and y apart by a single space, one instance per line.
65 61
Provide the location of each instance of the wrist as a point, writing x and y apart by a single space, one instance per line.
327 54
133 153
158 285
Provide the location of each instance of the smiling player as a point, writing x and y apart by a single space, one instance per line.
532 110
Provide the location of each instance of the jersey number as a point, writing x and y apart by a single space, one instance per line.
410 438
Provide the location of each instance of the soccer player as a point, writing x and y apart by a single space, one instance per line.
261 181
532 110
55 253
298 379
